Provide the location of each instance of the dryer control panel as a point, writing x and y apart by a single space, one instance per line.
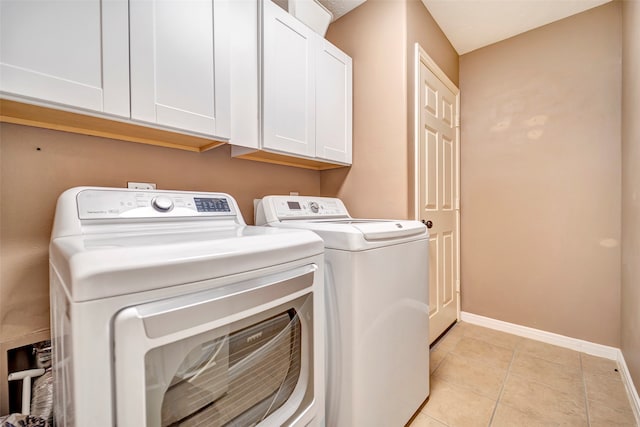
278 208
125 203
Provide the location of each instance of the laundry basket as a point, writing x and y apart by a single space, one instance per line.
21 420
37 399
42 394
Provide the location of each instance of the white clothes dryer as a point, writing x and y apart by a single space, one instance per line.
166 309
376 293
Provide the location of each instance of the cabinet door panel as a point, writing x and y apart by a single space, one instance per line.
68 52
180 64
333 104
288 80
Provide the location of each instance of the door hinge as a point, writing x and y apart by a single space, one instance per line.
458 285
457 120
457 207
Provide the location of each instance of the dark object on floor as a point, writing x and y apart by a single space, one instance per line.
18 420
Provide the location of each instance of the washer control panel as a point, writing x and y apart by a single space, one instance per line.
125 203
293 207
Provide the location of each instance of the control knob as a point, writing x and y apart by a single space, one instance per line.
162 204
314 207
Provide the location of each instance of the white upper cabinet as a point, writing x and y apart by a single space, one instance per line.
288 79
161 63
333 104
304 91
68 52
307 89
180 64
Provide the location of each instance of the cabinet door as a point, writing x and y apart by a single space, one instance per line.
68 52
288 83
180 64
333 104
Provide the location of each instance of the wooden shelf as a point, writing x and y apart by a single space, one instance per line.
49 118
283 159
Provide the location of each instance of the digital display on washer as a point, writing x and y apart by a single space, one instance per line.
294 205
211 204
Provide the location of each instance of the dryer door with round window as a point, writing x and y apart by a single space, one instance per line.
222 357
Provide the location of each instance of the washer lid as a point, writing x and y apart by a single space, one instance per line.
380 229
360 234
372 230
101 266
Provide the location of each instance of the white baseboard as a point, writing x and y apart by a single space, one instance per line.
628 383
538 335
594 349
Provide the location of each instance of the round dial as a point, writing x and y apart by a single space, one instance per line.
162 204
314 207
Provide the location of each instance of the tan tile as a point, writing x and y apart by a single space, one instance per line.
451 338
481 378
601 415
458 407
541 401
599 365
607 390
436 356
560 377
422 420
461 326
484 352
506 416
549 352
492 336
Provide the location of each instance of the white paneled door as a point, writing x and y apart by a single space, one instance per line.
437 166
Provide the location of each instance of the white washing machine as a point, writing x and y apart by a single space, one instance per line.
166 309
376 293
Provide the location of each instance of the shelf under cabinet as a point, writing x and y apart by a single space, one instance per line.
50 118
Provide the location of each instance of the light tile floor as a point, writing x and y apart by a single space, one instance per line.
483 377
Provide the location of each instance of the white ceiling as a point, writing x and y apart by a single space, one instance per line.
340 7
472 24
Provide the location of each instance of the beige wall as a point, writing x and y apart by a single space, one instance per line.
423 29
630 319
376 184
540 176
32 179
379 36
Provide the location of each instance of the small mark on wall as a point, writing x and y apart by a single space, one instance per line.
535 134
609 243
501 126
539 120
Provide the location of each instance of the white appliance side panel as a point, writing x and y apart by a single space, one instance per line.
333 104
389 344
339 303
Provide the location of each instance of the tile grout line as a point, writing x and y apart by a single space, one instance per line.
581 371
584 387
504 382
